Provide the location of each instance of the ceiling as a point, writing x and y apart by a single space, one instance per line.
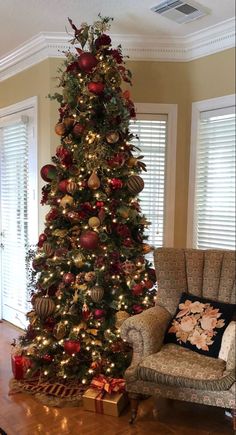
20 20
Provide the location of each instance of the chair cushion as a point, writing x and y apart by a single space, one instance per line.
176 366
199 324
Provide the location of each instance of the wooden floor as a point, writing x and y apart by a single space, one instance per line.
21 414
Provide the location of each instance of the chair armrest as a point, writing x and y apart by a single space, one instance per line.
231 357
145 331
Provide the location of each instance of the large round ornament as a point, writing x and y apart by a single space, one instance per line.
112 137
93 181
96 293
96 88
48 173
87 62
94 222
71 346
89 240
135 184
71 187
62 185
60 129
78 130
120 317
44 306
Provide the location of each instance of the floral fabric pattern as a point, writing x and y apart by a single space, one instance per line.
197 323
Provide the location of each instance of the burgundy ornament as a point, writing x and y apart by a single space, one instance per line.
48 172
96 87
89 240
78 130
52 214
116 183
117 161
62 185
68 278
87 62
47 358
85 312
72 346
137 289
60 252
42 238
99 313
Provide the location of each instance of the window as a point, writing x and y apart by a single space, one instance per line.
156 130
211 214
18 162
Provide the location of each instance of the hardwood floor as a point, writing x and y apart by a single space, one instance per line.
21 414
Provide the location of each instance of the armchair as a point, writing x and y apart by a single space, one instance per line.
169 370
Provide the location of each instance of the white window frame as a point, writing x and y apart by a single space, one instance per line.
197 108
170 110
16 109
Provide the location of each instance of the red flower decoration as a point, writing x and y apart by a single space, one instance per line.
116 183
117 56
102 40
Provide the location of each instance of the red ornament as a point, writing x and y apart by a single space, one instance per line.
52 214
87 62
148 284
89 240
78 130
117 161
68 278
137 289
99 313
48 172
62 185
47 358
96 87
116 183
99 204
72 346
42 238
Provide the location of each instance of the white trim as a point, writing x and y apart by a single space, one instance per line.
171 111
138 47
197 108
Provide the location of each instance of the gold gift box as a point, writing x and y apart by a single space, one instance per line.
109 404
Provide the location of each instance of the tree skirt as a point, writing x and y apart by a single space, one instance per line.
49 393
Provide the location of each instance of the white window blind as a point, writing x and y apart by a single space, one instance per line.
14 213
152 141
214 208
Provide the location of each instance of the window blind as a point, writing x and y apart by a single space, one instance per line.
14 214
152 140
214 210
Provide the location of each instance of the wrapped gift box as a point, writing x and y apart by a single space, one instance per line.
104 403
19 364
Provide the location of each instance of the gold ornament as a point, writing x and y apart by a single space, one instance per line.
94 222
66 200
60 129
96 293
44 307
112 137
132 161
79 260
71 187
121 316
93 181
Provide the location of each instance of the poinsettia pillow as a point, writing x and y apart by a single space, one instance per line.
199 324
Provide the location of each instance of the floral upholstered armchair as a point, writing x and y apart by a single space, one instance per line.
169 369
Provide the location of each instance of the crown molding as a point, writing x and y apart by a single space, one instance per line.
138 47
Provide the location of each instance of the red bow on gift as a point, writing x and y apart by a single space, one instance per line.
108 385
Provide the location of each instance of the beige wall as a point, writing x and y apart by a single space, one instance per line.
153 82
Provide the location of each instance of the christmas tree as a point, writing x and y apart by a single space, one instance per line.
90 265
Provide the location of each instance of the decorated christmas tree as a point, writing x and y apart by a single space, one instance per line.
90 265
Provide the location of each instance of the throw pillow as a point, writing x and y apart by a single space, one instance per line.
228 341
199 324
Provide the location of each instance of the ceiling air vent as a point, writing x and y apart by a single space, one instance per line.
180 11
